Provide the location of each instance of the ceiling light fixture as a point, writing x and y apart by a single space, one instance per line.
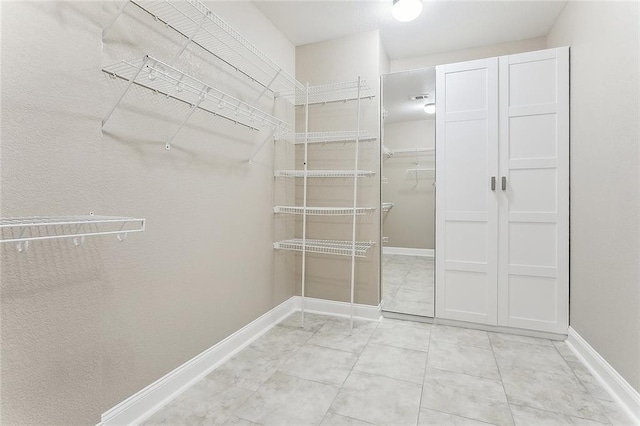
430 108
406 10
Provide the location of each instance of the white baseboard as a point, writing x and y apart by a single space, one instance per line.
340 309
144 403
405 251
608 377
147 401
500 329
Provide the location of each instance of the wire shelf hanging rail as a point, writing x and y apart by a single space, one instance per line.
202 27
326 137
21 230
323 211
337 247
164 79
324 173
411 151
330 93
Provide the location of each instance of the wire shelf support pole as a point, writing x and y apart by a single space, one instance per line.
355 206
190 38
126 88
194 107
304 201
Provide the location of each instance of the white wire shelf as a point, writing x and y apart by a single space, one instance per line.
21 230
323 211
342 248
200 26
324 137
413 151
328 93
421 170
161 78
387 206
324 173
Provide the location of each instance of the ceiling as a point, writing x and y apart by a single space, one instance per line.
444 25
399 87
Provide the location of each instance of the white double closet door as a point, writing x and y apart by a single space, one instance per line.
502 199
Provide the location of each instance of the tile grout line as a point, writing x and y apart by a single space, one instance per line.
501 380
347 377
424 376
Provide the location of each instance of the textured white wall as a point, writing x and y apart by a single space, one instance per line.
85 327
605 178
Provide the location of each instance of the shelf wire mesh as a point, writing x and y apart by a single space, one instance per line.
324 173
328 93
193 20
325 137
161 78
20 229
323 211
341 248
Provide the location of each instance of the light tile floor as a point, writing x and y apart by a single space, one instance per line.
394 373
407 284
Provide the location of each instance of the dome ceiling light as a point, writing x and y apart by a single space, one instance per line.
406 10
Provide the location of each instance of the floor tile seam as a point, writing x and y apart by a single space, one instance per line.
345 380
386 377
462 345
335 349
467 374
558 412
490 333
330 347
233 413
412 325
311 380
578 378
458 415
348 417
436 340
513 367
424 375
504 390
398 347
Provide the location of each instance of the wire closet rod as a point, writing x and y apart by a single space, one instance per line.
176 84
21 230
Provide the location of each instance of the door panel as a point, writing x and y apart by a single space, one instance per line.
466 207
534 158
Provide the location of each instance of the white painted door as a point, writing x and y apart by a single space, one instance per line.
533 289
466 206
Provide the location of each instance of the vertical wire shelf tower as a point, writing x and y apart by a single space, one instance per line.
321 95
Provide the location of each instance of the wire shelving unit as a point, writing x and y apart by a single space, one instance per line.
22 230
326 137
323 211
341 248
164 79
324 94
198 25
387 206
